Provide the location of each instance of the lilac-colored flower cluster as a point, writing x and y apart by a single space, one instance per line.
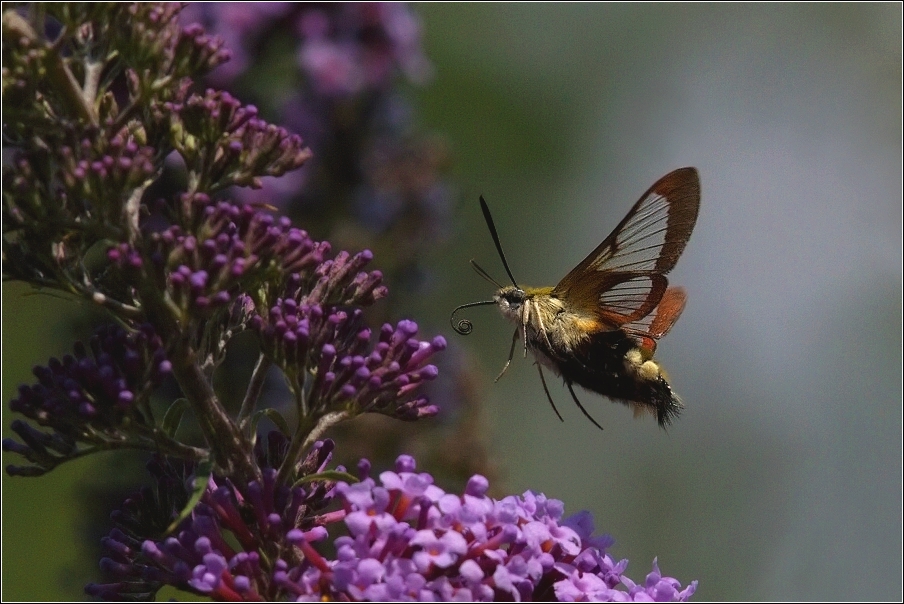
119 367
410 540
350 373
227 547
198 52
263 235
345 48
148 40
152 41
227 144
121 164
204 269
313 327
75 182
85 394
93 177
404 539
342 281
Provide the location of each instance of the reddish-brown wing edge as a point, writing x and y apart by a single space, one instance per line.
668 311
682 188
660 321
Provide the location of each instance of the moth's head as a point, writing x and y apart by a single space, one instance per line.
510 300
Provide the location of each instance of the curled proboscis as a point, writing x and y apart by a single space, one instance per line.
464 326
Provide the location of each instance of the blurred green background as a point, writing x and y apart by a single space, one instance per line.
782 479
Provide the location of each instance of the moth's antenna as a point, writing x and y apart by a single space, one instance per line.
479 270
495 235
464 326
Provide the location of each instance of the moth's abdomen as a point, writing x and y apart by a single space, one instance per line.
611 364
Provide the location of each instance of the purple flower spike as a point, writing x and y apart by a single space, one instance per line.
222 550
397 538
94 390
303 329
466 547
248 148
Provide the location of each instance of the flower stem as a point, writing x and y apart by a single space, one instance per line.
304 438
229 445
258 377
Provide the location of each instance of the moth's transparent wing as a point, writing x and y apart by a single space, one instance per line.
622 298
623 280
655 231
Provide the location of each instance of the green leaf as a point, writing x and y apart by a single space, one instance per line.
333 475
202 477
173 416
274 416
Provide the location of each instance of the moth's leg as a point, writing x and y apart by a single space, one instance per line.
525 318
581 407
542 329
546 390
511 354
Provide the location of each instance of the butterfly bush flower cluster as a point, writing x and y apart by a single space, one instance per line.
118 164
372 166
246 147
401 538
349 372
110 195
374 179
225 549
410 540
84 397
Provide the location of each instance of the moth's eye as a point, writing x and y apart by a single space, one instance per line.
514 298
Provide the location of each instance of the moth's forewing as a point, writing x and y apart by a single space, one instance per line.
680 191
623 278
